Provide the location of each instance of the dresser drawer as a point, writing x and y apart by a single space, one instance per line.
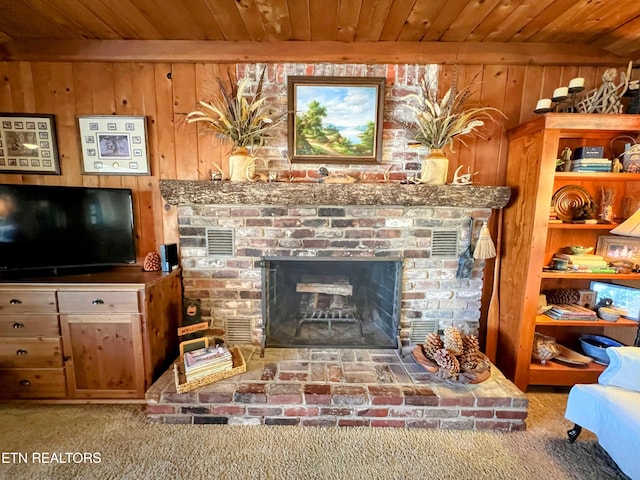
27 301
37 325
30 353
98 302
33 383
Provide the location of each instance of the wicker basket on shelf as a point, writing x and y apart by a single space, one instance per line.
183 386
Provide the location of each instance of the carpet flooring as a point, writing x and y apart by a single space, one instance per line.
116 442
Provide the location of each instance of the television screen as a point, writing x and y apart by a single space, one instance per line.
626 299
50 227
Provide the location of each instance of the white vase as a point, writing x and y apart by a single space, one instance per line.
241 165
435 167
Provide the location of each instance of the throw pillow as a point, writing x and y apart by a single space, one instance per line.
624 368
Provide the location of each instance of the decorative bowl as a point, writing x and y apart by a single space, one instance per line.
609 314
596 346
579 250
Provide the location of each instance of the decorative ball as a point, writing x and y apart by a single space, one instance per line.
151 262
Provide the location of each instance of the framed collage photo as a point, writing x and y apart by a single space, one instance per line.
28 144
114 145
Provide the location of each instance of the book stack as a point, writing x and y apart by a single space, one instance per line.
589 159
591 165
206 361
587 262
569 311
553 215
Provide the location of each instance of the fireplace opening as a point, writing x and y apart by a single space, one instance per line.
331 302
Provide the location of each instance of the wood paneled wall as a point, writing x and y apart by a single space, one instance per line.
166 92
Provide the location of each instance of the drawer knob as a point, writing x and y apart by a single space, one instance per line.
25 383
18 325
20 352
15 301
98 301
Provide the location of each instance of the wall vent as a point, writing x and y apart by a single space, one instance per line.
238 331
220 242
444 243
420 329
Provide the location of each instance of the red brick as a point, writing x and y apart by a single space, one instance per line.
353 422
420 395
299 376
343 395
158 409
301 412
228 410
378 422
286 399
456 401
493 402
476 413
373 412
385 395
515 414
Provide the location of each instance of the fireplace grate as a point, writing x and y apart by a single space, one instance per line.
238 331
420 329
220 242
444 243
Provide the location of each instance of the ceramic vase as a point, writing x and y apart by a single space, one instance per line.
241 165
435 167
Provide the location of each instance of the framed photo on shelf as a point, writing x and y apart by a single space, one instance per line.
619 248
28 144
114 145
335 119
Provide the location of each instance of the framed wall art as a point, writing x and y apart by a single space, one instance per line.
616 247
114 145
335 119
28 144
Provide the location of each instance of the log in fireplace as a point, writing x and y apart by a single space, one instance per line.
331 302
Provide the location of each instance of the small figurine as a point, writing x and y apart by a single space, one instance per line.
616 166
565 156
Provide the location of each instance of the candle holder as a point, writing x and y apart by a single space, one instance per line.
564 99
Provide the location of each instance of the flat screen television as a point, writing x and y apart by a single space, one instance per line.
55 227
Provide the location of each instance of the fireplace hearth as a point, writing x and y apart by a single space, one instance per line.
331 302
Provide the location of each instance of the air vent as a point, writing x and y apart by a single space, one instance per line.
238 331
420 329
444 243
220 242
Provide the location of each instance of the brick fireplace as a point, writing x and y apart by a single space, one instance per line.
231 233
348 221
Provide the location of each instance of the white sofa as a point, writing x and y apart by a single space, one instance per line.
611 409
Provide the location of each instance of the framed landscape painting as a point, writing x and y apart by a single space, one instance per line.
335 119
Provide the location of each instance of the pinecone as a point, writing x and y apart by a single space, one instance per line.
470 358
453 340
151 262
447 362
432 343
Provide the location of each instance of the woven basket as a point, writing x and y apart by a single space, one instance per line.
183 386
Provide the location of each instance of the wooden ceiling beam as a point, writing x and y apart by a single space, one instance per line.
176 51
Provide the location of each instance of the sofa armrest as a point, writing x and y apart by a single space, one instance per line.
623 369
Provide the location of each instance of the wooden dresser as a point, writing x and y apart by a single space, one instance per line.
105 335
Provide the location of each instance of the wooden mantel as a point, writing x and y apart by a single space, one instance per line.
180 192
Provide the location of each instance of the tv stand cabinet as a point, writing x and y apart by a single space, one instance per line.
105 335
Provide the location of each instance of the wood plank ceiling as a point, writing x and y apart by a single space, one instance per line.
593 26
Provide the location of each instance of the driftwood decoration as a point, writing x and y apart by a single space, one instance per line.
606 98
